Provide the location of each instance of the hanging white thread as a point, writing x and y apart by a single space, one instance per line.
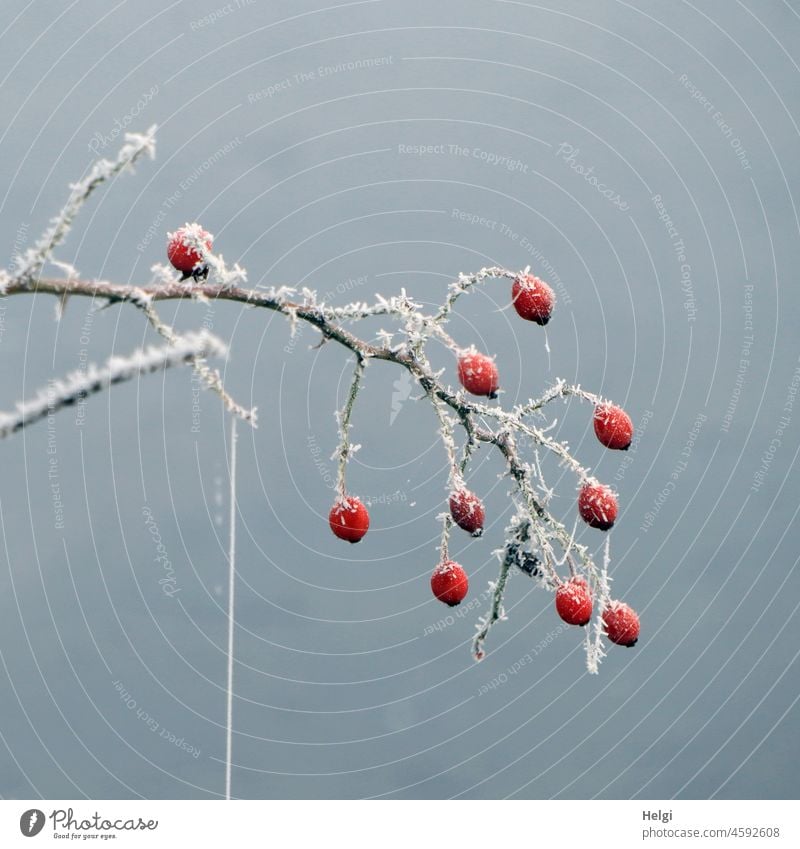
231 588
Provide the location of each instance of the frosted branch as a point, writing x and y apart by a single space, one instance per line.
517 535
536 542
30 263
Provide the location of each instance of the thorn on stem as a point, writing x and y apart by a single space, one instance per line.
323 339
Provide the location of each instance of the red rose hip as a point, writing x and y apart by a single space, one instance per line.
574 602
182 247
467 511
597 505
621 624
613 426
533 299
478 374
349 519
449 583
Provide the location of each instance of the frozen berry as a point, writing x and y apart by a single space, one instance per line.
183 248
467 511
533 299
349 519
613 426
449 583
597 505
622 624
574 602
478 373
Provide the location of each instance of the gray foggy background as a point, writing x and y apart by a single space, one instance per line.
285 128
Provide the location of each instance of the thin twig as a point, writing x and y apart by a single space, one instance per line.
345 449
29 264
211 377
518 531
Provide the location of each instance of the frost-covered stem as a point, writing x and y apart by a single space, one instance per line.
455 478
211 377
444 337
345 449
78 385
513 421
471 444
561 389
444 542
466 282
602 595
29 264
496 613
542 525
556 447
273 299
446 428
568 556
535 508
536 470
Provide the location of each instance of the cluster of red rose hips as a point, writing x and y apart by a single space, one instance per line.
597 506
533 300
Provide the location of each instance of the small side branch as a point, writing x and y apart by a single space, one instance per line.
29 264
602 593
518 534
210 377
345 449
560 389
554 528
466 282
